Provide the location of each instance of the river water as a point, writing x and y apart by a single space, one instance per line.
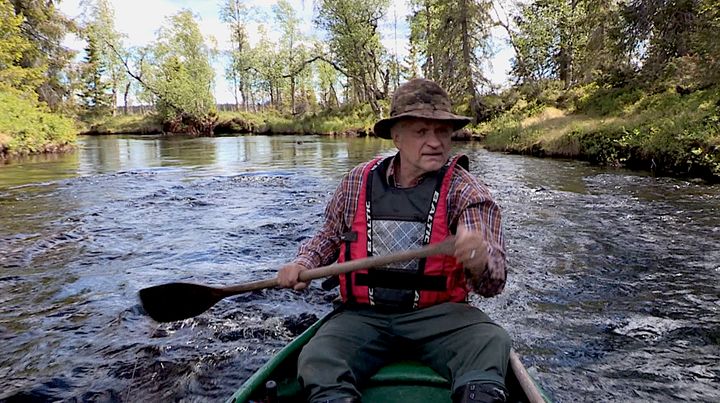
613 291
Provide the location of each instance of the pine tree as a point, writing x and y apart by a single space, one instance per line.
96 96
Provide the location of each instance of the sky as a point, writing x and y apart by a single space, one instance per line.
139 20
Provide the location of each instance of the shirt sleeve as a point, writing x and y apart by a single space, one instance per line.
324 247
478 212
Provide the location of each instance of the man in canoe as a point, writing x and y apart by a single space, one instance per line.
420 195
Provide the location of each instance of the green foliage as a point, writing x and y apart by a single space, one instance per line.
601 101
97 99
354 41
571 41
103 72
44 26
26 126
12 47
108 124
238 72
348 119
667 132
181 75
453 38
327 80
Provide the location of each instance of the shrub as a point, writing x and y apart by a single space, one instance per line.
28 127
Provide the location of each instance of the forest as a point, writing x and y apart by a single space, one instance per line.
619 82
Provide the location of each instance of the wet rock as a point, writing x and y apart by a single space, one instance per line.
462 134
357 133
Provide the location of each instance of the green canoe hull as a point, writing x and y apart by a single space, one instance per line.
402 381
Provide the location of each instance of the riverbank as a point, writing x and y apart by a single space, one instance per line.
351 122
672 132
26 127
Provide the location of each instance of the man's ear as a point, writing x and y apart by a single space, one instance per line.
395 133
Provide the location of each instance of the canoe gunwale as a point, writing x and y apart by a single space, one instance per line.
528 385
243 394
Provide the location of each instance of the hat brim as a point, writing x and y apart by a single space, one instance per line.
382 127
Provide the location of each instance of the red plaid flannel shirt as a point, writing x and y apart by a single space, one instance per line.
469 204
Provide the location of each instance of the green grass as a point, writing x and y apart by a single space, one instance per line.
666 132
352 118
139 124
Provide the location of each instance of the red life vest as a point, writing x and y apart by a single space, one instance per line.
415 216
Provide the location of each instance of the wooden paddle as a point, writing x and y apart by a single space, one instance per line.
178 301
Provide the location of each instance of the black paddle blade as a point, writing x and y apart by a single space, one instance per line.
178 301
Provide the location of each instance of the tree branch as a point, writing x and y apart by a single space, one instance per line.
140 80
318 57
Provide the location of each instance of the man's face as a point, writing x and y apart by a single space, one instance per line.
424 144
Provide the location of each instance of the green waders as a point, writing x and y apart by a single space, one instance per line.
458 341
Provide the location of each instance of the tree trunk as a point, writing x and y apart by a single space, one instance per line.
292 95
467 63
429 62
334 95
278 97
113 103
244 96
125 97
235 91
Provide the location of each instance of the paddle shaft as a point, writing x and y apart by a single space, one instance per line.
447 247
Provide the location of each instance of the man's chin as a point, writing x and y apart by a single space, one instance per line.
431 164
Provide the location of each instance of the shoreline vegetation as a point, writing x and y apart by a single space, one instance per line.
669 132
28 127
672 132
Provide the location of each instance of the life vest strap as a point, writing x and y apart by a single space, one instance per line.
401 280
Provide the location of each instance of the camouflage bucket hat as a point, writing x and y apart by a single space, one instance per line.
419 98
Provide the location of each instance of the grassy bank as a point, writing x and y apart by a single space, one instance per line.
26 127
351 121
667 132
134 124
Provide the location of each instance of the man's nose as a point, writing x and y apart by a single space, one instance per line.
434 139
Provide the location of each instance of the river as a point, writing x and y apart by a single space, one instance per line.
613 290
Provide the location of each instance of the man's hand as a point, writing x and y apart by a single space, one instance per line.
471 251
288 276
